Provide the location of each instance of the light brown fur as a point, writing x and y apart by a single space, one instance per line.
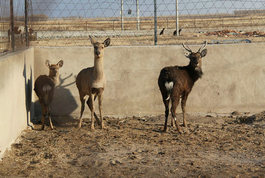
91 81
44 89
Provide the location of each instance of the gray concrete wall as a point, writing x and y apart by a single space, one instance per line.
17 74
233 78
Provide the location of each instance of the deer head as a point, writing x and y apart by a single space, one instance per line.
54 69
196 57
99 47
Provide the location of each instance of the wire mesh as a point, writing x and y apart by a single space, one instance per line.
132 22
18 21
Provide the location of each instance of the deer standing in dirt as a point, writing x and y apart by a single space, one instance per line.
176 82
44 89
91 81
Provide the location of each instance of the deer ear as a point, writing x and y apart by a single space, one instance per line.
47 63
106 42
204 52
91 40
60 63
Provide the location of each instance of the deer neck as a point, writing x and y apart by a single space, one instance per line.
54 78
98 68
195 73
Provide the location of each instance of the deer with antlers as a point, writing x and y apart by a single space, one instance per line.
44 89
176 82
91 81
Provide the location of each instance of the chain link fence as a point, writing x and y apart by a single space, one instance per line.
130 22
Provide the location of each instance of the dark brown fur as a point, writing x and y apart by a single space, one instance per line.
40 82
183 78
44 88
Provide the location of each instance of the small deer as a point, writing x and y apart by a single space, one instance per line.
44 89
91 81
176 82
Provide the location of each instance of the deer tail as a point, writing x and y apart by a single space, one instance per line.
169 86
46 90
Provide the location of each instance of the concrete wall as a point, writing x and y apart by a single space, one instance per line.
233 78
17 74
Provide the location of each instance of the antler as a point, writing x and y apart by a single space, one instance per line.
186 47
203 46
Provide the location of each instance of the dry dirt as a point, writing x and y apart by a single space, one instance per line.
212 146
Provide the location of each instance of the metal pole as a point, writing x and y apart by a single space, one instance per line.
26 23
155 21
177 19
12 26
122 27
138 14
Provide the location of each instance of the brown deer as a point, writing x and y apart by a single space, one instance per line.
176 82
20 30
44 89
91 81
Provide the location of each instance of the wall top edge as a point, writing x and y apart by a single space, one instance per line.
9 54
154 46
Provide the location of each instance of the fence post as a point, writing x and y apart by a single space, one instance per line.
177 18
138 14
122 27
155 22
26 24
12 26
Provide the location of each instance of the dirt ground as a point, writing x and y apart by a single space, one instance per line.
212 146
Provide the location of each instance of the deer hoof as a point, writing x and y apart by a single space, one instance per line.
92 128
186 131
79 125
165 130
102 126
179 131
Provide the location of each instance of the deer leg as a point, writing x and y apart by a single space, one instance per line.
100 98
82 110
173 112
43 113
89 103
183 106
92 112
166 103
173 122
50 119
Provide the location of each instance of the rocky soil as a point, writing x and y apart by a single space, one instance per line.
211 146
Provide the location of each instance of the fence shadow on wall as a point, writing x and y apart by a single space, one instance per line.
28 93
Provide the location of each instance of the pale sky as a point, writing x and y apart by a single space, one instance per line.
111 8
